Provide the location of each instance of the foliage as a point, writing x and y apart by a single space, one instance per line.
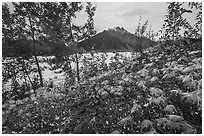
88 29
32 25
174 21
140 32
160 93
198 26
115 102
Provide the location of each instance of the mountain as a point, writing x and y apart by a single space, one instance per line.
116 39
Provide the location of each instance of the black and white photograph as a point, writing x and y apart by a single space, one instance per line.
101 67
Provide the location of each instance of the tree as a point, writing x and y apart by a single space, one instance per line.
27 19
16 47
60 30
140 33
47 23
198 26
150 35
7 23
174 21
56 33
85 32
88 29
9 34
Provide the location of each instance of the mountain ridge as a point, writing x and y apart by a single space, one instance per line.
115 39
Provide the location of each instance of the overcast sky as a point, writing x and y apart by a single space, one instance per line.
126 14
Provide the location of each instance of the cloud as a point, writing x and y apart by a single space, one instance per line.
126 14
135 12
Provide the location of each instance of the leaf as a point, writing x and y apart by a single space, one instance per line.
148 78
187 70
120 88
12 101
152 131
198 66
191 84
142 84
118 93
104 93
175 118
160 100
135 107
126 121
154 79
84 128
200 84
184 58
186 128
176 91
173 127
195 97
186 79
177 68
144 72
12 106
156 91
146 125
167 125
197 60
105 82
115 132
155 72
151 99
170 109
185 10
196 76
92 120
161 121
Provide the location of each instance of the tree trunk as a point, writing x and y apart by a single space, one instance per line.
77 67
140 49
35 55
26 72
76 56
39 70
37 63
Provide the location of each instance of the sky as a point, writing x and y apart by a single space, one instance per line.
127 14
